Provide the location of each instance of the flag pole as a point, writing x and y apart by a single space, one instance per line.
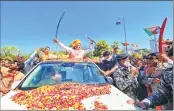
125 34
155 43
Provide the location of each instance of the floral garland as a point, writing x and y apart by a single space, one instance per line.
66 96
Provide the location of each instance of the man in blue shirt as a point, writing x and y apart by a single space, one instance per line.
31 61
109 60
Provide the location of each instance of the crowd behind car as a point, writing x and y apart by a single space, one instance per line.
148 80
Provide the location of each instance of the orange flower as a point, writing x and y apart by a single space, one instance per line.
99 105
55 97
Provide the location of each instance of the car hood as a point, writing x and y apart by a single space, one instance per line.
8 104
117 100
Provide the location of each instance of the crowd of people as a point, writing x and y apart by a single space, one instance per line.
10 72
148 81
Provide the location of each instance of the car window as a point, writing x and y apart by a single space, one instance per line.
52 73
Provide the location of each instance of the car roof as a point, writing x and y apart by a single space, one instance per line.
58 61
69 60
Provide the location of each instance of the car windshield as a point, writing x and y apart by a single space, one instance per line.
57 73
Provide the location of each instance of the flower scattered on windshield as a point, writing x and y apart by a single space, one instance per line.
66 96
99 105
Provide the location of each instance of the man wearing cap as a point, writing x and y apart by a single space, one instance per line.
115 65
76 51
123 78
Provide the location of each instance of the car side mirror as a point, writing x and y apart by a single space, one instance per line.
14 85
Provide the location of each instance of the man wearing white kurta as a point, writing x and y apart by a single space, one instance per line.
76 51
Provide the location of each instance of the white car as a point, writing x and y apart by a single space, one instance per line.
58 73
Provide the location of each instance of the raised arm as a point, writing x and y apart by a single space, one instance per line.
31 58
68 49
90 49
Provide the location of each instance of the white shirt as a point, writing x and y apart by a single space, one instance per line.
76 53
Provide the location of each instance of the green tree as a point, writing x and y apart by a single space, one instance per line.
90 55
10 52
115 44
145 52
59 53
62 53
100 47
26 56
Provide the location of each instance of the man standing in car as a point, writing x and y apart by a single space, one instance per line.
76 52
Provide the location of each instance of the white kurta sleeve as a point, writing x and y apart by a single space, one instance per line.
68 49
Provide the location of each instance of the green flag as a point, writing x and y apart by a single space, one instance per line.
152 30
148 32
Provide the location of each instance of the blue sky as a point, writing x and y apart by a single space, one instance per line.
29 25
